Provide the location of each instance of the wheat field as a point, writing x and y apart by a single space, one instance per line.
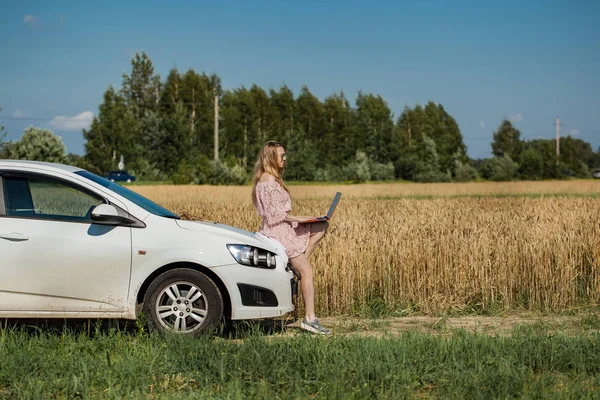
435 248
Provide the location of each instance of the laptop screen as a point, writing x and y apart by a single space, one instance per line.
336 199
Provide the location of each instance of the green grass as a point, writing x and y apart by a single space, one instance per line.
111 363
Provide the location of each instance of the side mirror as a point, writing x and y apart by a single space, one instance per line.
105 214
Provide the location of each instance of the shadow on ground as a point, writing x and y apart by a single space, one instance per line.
91 328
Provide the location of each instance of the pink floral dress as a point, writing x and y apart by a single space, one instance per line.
273 204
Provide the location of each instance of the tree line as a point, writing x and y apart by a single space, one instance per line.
187 129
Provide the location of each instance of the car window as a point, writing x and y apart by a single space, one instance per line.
132 196
47 198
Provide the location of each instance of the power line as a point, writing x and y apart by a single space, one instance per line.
26 119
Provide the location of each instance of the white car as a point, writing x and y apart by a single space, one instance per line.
75 245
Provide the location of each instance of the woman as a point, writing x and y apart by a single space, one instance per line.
273 203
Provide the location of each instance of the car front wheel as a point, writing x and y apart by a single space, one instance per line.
183 301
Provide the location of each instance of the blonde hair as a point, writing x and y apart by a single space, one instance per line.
267 162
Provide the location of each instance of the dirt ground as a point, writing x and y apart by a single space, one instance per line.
493 325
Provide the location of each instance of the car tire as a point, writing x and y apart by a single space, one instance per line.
128 180
183 301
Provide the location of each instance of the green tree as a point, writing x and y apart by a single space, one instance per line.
38 145
302 157
141 89
443 129
532 164
338 145
261 105
114 132
177 144
239 137
595 161
576 157
413 150
428 166
152 138
375 127
507 141
233 135
408 136
282 111
197 98
170 94
310 117
540 162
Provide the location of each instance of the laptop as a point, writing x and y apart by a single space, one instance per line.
327 217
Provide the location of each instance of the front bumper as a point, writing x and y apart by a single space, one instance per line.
251 302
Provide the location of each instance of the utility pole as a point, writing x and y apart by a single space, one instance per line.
216 125
215 83
557 138
409 132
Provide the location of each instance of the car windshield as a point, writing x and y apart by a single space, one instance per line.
130 195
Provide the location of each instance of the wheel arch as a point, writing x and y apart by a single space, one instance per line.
200 268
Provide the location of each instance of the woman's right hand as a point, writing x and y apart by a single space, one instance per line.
306 219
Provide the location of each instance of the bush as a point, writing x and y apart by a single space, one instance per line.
221 174
360 170
144 171
406 166
499 168
532 165
382 172
577 169
323 175
431 175
464 172
184 174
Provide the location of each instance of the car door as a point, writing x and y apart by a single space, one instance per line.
52 257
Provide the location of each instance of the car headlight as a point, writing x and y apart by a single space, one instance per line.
252 256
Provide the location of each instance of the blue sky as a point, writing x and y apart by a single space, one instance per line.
483 61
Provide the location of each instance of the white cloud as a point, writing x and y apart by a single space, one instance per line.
515 117
30 19
18 113
574 132
75 123
482 124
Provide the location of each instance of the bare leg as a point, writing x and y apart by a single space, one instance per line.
302 266
317 232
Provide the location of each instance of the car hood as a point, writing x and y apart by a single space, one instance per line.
231 234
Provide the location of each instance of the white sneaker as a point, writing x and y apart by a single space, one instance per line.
314 327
